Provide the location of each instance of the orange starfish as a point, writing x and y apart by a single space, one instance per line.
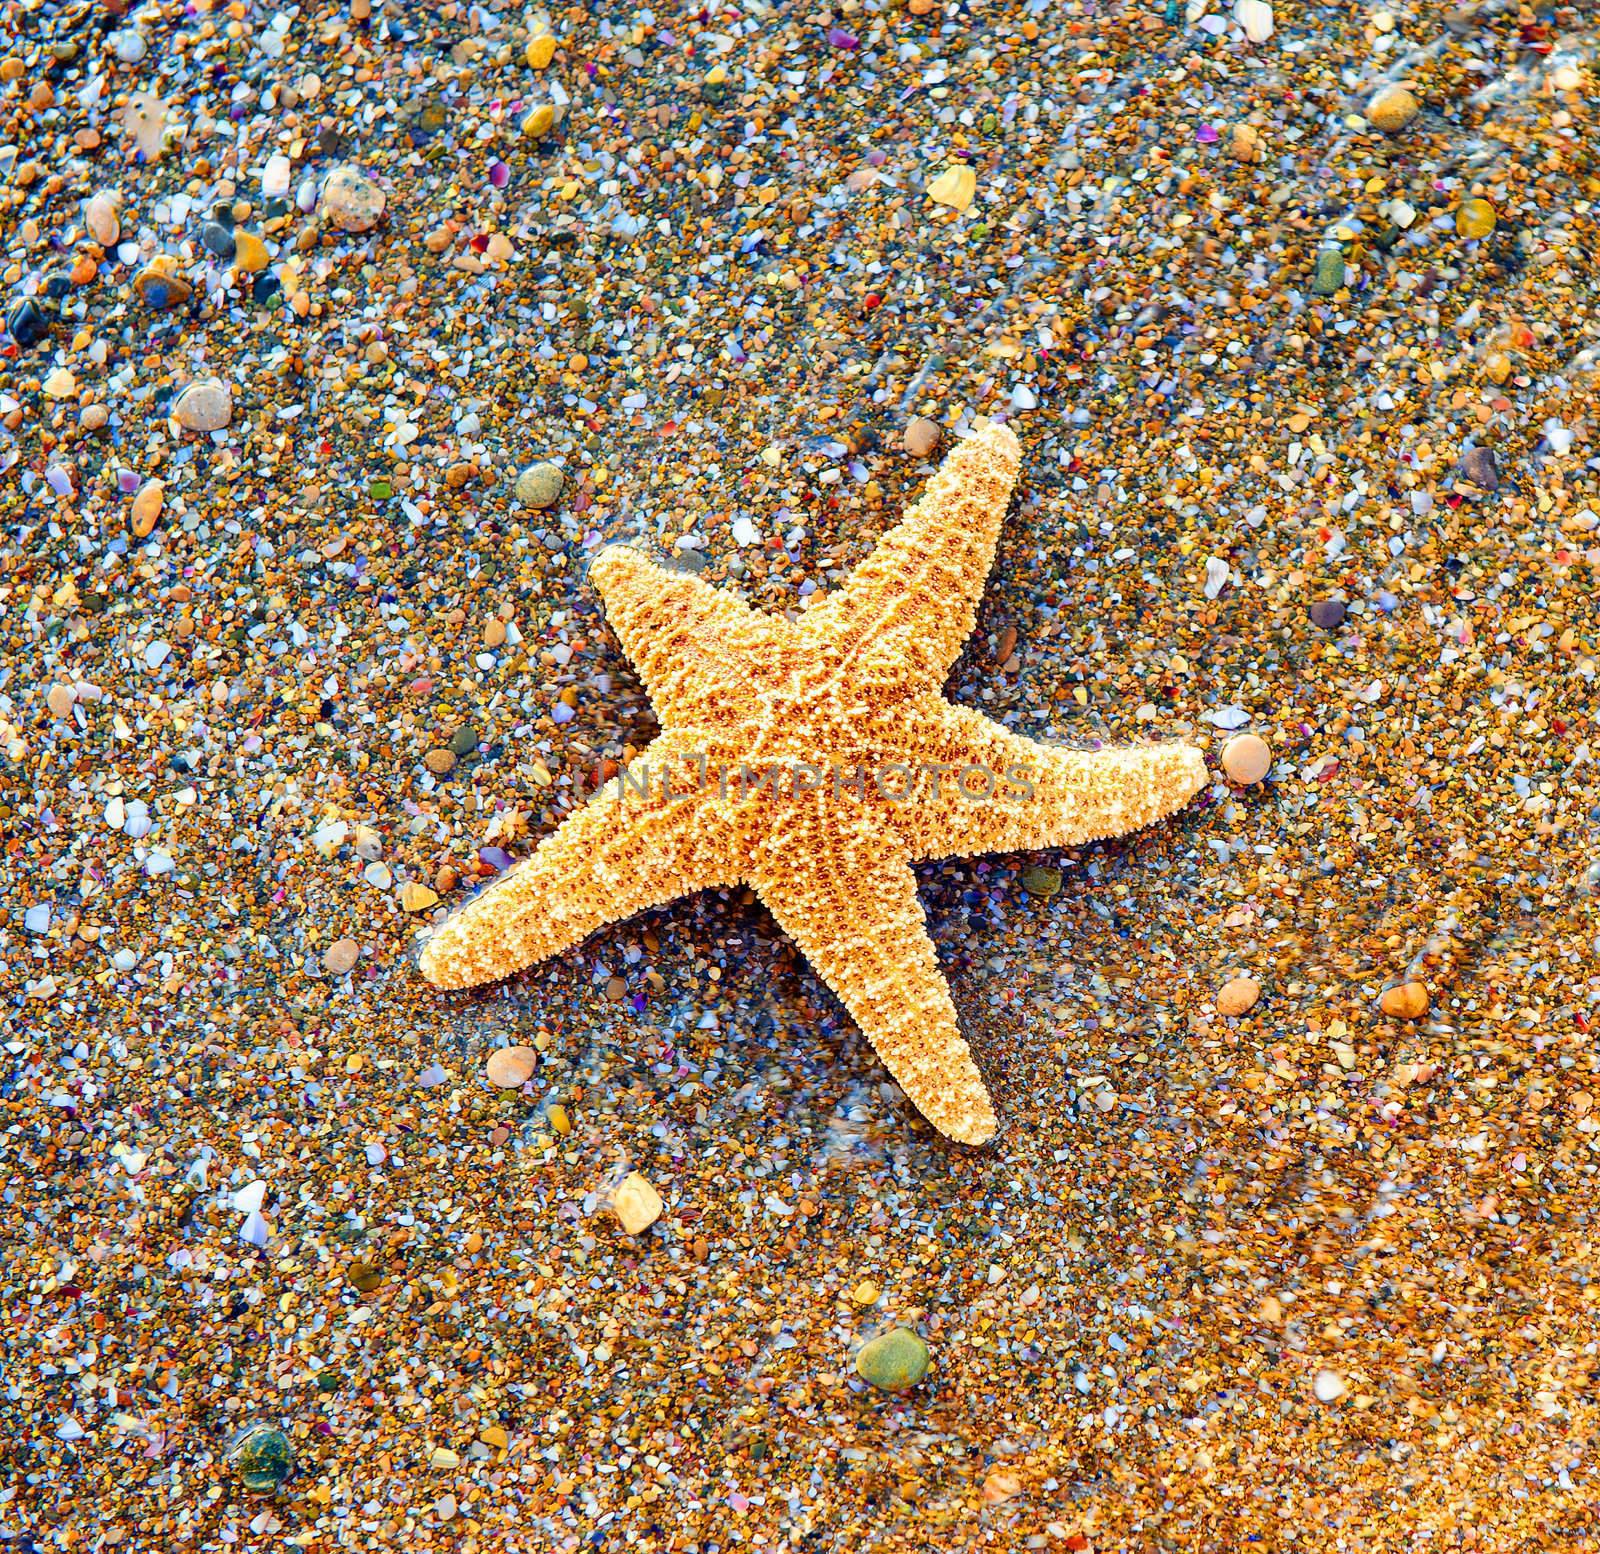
816 762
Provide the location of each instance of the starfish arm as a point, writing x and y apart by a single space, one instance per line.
899 623
854 913
620 854
691 643
1040 796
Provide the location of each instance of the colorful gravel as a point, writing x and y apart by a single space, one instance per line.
338 337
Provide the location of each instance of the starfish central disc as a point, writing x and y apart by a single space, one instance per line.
816 761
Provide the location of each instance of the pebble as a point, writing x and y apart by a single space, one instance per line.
204 406
262 1457
1474 219
1329 277
249 253
1328 1386
1246 759
1391 108
537 124
921 437
956 186
1237 996
894 1361
540 51
510 1068
1255 17
26 322
341 956
1041 881
539 485
637 1204
161 284
276 177
1000 1485
1405 1001
103 217
129 46
1327 614
1481 468
146 507
218 238
349 199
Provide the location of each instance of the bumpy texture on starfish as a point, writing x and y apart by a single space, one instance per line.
815 762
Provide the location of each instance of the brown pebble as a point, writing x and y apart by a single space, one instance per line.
341 956
59 699
511 1067
1405 1001
147 507
1392 108
1237 995
921 437
439 761
1246 758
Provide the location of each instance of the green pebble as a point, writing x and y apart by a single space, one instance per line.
464 741
893 1362
1330 273
262 1457
380 490
1040 881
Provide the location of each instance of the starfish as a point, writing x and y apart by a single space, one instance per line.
815 761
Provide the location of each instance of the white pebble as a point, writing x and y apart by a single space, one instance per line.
745 532
1216 576
276 177
129 46
156 654
248 1199
1023 398
1255 16
1329 1386
37 919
